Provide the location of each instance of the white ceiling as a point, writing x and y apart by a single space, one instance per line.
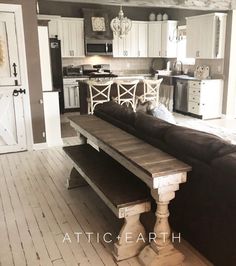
187 4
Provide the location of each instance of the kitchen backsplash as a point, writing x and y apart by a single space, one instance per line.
145 65
118 65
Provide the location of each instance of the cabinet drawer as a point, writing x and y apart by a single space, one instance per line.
194 98
195 84
194 108
195 91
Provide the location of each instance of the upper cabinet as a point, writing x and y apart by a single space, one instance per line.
168 38
134 44
206 36
53 24
71 32
139 35
122 46
154 39
148 39
162 39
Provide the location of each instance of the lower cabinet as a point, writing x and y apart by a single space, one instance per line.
71 94
205 98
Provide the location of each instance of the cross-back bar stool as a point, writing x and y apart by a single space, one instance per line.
151 89
126 91
99 92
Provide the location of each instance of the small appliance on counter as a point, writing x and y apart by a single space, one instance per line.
72 71
202 72
98 71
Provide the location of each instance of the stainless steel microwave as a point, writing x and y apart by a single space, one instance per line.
98 47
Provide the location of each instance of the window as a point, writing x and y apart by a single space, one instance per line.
181 47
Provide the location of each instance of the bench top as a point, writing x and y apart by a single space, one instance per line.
144 160
119 186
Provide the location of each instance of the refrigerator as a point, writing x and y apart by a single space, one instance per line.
56 66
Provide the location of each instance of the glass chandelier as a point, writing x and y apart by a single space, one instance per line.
121 25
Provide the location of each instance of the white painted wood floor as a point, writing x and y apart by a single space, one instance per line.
36 210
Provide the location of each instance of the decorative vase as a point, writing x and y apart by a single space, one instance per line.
152 17
165 17
159 17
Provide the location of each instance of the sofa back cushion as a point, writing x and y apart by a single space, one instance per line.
201 145
119 112
151 126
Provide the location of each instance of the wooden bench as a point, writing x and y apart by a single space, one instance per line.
122 192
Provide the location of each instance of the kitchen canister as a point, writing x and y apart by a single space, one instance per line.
152 17
159 17
165 17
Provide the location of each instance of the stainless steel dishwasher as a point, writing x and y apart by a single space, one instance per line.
181 96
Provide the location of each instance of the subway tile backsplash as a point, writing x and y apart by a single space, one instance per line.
118 65
145 65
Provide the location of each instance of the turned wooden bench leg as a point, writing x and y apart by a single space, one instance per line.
131 239
161 251
75 180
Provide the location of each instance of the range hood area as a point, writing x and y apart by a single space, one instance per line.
98 34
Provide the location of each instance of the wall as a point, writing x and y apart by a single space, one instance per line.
230 66
33 65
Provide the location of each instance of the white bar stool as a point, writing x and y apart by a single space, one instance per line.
99 92
126 91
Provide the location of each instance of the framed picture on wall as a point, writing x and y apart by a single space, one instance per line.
98 24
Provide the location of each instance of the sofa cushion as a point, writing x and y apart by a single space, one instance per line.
226 165
201 145
116 111
151 126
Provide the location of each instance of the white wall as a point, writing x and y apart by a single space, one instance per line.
231 95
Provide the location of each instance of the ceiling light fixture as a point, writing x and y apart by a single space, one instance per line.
121 25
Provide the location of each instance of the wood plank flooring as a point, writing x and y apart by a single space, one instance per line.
36 210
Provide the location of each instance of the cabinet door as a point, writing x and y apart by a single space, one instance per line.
142 39
53 30
168 39
72 38
76 29
134 40
119 47
71 96
154 39
192 33
206 42
127 44
65 38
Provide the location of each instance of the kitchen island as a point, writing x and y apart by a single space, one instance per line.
84 91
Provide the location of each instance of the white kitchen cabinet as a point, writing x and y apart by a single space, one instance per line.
71 93
205 98
53 24
122 46
206 36
168 38
71 32
162 39
139 39
134 44
154 39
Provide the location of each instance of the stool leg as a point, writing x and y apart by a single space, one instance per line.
131 239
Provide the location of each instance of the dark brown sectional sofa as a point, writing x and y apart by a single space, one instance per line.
204 210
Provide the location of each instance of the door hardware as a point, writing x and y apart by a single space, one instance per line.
17 92
14 69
